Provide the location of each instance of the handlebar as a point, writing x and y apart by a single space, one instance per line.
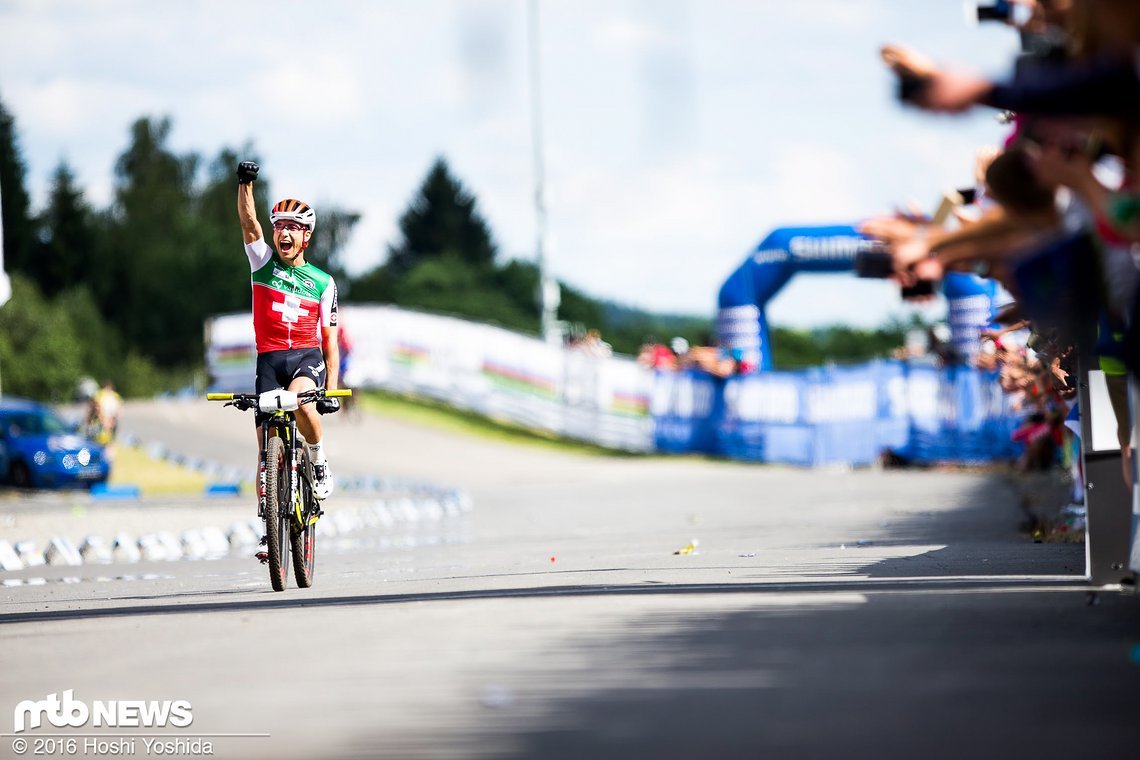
250 400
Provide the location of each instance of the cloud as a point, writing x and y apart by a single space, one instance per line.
313 91
849 16
666 235
630 36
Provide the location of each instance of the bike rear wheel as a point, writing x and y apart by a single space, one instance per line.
277 511
305 537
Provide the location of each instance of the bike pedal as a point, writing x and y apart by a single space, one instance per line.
262 557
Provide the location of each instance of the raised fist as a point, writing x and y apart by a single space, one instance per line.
247 172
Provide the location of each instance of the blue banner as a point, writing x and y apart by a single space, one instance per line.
969 311
845 415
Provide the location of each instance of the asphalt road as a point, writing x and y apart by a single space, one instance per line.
822 614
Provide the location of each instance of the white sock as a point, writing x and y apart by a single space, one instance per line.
316 453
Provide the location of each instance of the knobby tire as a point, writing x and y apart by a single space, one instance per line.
305 537
277 511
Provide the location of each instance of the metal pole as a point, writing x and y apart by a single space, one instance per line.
548 295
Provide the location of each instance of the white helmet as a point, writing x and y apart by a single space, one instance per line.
293 210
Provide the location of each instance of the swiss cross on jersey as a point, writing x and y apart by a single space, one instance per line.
290 304
291 309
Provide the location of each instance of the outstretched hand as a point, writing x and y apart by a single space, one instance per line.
934 89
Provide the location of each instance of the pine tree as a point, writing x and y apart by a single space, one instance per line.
334 228
146 283
68 243
442 219
19 227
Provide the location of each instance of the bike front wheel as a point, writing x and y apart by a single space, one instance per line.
278 507
305 536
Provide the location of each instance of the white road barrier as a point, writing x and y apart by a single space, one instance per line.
125 549
29 555
9 559
94 549
61 551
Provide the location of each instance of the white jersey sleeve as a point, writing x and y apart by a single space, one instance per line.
328 305
259 253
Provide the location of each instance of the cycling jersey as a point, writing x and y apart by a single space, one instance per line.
290 304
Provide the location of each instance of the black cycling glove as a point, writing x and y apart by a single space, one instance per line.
328 405
247 172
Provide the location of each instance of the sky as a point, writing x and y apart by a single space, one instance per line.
676 133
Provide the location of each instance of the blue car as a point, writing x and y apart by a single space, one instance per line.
39 450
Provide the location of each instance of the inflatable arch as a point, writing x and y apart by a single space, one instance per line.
742 325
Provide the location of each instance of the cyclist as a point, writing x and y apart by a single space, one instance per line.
294 315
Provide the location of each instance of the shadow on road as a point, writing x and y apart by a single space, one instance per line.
934 675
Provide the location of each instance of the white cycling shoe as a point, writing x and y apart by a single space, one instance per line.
322 481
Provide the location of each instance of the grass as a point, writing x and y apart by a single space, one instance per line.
154 477
422 411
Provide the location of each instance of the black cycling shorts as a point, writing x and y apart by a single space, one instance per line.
277 369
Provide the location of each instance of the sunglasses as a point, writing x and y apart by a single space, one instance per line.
289 227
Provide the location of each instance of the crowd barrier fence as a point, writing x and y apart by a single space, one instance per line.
821 416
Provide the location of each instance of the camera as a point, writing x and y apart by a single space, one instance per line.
952 199
875 263
910 86
1004 11
920 289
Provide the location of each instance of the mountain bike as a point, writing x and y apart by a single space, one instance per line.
284 482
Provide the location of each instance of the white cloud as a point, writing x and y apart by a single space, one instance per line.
314 91
625 35
849 16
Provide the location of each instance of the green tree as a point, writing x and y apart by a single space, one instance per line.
147 284
334 228
15 214
40 354
214 255
838 344
68 241
377 285
101 347
441 219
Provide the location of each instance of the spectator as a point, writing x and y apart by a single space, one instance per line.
680 349
593 345
1075 98
103 417
657 356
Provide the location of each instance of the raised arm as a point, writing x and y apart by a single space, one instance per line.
247 212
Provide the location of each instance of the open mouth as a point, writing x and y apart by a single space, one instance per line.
285 246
